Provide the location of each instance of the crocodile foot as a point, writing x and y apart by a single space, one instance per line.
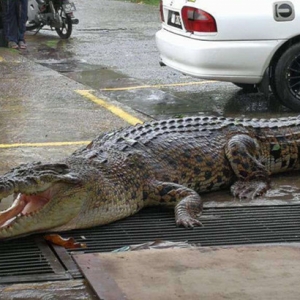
249 189
188 222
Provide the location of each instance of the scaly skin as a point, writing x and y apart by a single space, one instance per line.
159 163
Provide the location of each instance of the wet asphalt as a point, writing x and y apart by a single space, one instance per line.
113 51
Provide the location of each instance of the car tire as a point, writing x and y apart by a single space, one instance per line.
247 87
286 81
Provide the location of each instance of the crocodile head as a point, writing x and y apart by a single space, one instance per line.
46 196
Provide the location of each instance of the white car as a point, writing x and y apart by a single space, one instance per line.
248 43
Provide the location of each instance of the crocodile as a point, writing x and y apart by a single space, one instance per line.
169 162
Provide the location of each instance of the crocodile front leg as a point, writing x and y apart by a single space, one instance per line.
242 151
188 204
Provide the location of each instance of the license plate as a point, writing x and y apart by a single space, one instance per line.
174 19
69 7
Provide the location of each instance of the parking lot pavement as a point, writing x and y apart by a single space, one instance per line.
45 116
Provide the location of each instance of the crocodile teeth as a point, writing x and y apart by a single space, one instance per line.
10 213
22 206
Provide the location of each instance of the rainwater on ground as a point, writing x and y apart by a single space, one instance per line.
156 98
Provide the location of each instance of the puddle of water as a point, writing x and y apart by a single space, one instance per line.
101 78
94 76
160 104
229 103
47 48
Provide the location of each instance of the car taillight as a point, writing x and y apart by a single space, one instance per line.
161 10
197 20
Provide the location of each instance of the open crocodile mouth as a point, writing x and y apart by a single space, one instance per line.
23 205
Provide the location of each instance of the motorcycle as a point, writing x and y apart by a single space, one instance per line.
57 14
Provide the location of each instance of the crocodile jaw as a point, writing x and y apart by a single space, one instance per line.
42 211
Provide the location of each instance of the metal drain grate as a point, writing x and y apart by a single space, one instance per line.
32 259
228 226
29 260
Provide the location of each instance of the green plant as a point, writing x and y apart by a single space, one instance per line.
150 2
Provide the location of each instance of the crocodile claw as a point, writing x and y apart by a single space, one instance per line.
188 222
249 189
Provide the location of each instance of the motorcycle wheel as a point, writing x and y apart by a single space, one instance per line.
65 31
31 26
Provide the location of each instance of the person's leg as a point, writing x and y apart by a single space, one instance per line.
22 22
3 16
10 21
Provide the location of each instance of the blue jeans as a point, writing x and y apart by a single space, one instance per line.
14 17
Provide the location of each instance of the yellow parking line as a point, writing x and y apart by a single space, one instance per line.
85 93
50 144
112 108
157 86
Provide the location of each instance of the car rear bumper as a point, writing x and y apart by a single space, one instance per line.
234 61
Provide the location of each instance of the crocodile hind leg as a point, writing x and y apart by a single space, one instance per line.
242 151
188 204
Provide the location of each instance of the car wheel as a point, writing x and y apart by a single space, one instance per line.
247 87
286 84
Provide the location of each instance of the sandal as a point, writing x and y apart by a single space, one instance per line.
13 45
22 45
